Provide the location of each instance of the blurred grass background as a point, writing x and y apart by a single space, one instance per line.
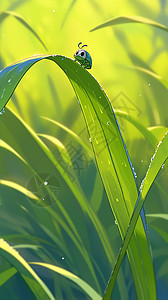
45 91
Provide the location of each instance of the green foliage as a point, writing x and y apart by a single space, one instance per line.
98 114
35 283
73 230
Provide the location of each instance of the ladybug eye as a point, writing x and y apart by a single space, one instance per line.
76 53
82 53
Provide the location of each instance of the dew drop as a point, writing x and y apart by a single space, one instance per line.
90 139
142 161
140 95
115 222
108 123
45 182
9 80
100 97
53 10
2 111
149 84
62 258
3 93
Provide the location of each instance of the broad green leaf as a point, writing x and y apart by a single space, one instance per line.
158 159
5 14
130 19
81 283
37 286
111 156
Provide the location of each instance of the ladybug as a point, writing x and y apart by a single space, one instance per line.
83 57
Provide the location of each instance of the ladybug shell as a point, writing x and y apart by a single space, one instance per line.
84 58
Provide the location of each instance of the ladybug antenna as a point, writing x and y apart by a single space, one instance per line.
80 47
84 46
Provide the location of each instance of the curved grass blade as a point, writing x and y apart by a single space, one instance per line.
111 157
63 151
69 229
68 12
4 145
73 134
81 283
130 19
19 188
37 286
5 14
6 275
9 78
153 217
146 132
159 158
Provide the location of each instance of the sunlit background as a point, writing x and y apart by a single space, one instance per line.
119 54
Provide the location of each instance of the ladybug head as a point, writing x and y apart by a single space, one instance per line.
80 53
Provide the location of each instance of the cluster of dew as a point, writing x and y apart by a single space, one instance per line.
152 158
134 172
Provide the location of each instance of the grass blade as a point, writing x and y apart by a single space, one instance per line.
6 275
157 161
73 134
111 156
38 287
81 283
19 188
130 19
5 14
